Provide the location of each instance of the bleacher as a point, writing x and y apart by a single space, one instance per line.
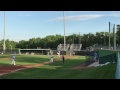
75 47
60 47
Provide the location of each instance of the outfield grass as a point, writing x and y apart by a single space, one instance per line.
58 70
24 59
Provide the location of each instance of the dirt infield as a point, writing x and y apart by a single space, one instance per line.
81 66
12 68
5 58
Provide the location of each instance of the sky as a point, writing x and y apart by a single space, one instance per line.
24 25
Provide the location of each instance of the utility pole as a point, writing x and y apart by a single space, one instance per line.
114 38
4 46
104 39
109 35
64 30
79 39
73 38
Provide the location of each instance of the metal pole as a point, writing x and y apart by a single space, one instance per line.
73 38
64 29
109 35
4 47
117 75
79 38
114 38
104 39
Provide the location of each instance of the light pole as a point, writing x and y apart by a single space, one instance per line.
4 46
79 38
109 35
73 38
64 29
114 38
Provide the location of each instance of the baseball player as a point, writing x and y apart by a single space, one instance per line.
63 58
58 53
51 57
13 60
95 56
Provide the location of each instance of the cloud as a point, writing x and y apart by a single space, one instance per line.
115 14
87 17
77 17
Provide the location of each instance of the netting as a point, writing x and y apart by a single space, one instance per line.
110 43
111 35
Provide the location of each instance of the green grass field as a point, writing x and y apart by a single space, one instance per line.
56 70
23 59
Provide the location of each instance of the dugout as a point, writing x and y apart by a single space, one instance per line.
107 56
76 52
34 51
61 52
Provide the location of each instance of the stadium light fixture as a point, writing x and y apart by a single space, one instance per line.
4 46
64 29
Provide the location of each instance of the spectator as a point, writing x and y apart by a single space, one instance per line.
63 58
51 57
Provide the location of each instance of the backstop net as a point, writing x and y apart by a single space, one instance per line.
109 39
111 35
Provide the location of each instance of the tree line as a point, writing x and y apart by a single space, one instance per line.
52 41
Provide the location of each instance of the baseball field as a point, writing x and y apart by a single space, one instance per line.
39 67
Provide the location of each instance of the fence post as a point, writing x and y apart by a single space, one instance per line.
117 76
